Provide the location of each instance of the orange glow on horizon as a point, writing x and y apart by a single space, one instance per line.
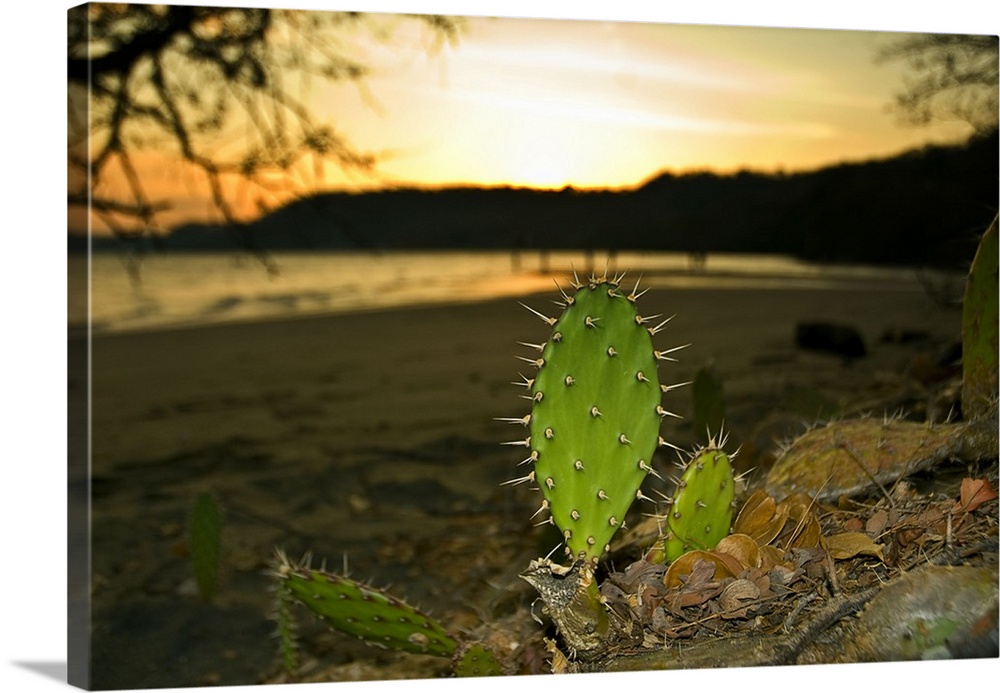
555 103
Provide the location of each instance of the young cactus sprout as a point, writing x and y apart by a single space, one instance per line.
701 511
595 412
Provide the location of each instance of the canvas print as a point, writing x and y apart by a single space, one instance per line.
410 347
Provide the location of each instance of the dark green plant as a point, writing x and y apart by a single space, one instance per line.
206 544
979 328
372 615
709 401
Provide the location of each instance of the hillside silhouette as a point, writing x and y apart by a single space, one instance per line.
924 207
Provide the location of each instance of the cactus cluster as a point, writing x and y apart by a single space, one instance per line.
595 412
591 433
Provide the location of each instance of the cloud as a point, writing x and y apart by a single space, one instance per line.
591 109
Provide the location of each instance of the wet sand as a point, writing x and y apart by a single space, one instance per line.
372 437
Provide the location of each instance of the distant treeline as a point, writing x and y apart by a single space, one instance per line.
925 207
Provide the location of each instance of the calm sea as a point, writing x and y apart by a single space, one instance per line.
176 290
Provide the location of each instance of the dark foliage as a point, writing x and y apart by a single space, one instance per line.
926 207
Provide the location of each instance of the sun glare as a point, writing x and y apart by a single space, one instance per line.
549 104
542 158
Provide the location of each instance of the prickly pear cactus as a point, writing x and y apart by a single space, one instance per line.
979 330
701 512
365 612
476 659
595 412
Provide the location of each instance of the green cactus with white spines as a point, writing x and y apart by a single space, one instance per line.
700 513
372 615
592 431
363 611
595 413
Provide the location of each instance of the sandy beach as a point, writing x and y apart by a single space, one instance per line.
371 437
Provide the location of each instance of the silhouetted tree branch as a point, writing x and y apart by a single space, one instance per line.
222 89
954 76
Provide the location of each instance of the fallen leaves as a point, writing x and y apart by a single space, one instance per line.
849 545
974 492
781 555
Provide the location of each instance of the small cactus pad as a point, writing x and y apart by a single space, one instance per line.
595 415
701 512
365 612
476 659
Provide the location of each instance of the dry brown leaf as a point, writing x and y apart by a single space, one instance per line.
974 493
771 557
877 522
741 547
802 529
690 564
852 544
760 518
930 520
854 524
734 596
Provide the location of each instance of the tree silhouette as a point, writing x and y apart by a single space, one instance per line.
222 89
954 76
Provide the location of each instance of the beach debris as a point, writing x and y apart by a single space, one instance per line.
980 329
831 338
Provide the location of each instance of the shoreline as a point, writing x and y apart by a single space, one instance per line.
526 285
456 359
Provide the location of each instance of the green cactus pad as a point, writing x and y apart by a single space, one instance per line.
476 659
365 612
286 629
702 509
595 416
979 329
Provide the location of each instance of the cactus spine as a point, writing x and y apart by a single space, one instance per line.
595 413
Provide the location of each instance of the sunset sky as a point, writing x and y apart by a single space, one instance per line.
602 104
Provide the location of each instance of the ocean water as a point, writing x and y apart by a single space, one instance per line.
165 291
